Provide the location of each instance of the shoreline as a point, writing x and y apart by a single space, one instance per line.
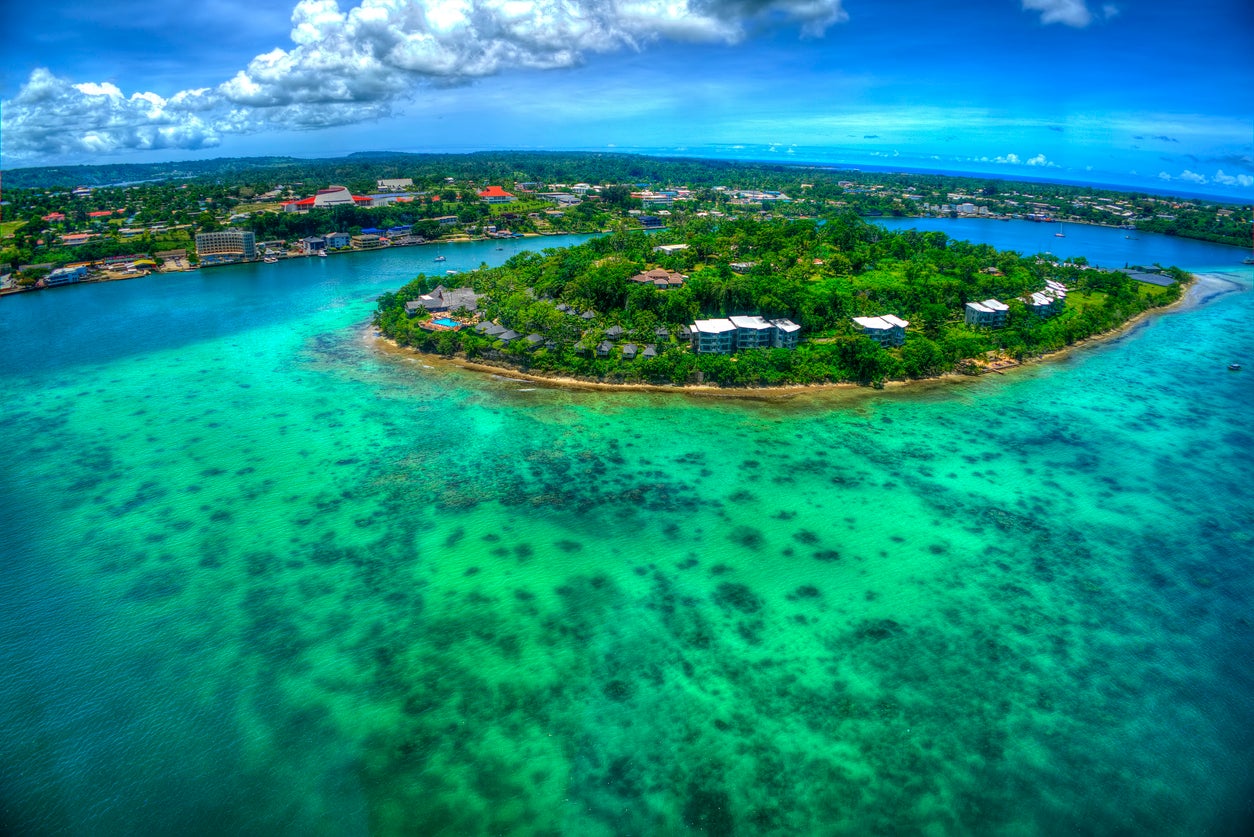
1203 289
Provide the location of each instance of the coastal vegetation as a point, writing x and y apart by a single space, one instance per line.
818 273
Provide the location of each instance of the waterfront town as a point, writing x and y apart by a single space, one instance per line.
58 236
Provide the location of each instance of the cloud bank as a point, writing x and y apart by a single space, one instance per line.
345 67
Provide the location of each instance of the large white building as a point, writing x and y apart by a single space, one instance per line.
323 198
226 246
724 336
888 330
990 312
1048 302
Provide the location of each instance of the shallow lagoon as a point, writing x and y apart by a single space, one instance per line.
261 577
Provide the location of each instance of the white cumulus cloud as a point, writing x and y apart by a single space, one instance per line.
52 116
348 66
1068 12
1040 160
1233 179
1012 159
1192 177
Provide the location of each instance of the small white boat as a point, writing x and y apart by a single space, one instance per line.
322 254
440 258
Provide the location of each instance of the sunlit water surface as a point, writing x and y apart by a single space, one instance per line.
261 578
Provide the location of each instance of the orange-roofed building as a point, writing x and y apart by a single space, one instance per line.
55 216
495 194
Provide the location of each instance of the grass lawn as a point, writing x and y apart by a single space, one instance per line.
7 228
1151 291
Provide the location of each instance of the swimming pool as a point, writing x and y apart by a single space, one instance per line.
446 322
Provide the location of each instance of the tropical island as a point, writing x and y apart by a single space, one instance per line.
754 303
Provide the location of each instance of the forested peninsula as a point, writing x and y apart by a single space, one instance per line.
592 313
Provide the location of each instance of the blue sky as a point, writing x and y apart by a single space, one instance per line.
1133 92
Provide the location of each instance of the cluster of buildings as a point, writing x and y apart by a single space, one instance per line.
991 313
726 335
1048 302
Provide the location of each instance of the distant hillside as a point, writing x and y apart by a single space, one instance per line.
485 165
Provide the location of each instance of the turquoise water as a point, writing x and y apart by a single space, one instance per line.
262 578
445 321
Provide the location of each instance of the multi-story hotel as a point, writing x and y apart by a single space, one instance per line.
226 246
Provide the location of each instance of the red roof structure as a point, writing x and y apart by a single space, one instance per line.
495 192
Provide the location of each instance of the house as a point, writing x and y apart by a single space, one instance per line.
495 194
990 313
534 341
669 249
713 336
659 278
394 184
614 333
629 351
651 222
490 329
662 333
313 244
650 351
442 300
508 336
887 330
604 348
336 240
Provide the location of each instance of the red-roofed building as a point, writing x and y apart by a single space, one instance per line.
55 216
104 213
495 194
333 196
